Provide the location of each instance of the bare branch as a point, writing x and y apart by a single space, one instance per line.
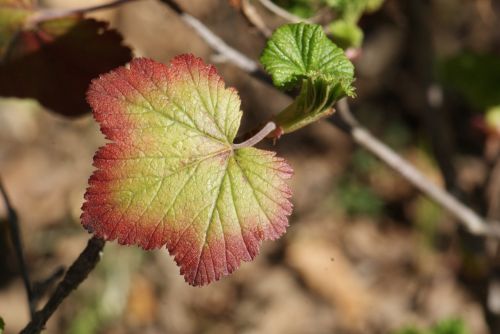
40 288
55 13
253 16
215 42
15 236
472 221
75 275
277 10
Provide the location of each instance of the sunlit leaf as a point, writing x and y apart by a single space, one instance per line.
170 175
302 51
301 54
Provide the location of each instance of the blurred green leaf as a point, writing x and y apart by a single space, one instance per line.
352 10
363 162
448 326
357 198
451 326
301 8
2 325
344 28
475 76
409 330
346 34
492 118
426 216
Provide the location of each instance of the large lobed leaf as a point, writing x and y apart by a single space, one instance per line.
170 175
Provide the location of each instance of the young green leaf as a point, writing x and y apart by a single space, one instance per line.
171 176
346 34
313 103
302 54
302 51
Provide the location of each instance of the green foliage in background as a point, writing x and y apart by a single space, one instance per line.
301 8
357 198
2 325
110 289
354 193
475 76
344 28
492 118
449 326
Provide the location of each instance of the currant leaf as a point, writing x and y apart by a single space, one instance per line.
170 175
302 51
301 54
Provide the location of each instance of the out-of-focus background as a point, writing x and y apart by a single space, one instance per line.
364 253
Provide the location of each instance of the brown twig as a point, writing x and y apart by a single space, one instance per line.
75 275
15 236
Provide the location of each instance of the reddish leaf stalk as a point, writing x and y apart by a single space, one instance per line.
259 136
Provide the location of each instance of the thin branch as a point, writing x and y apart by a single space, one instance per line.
231 55
56 13
259 136
215 42
253 16
15 236
346 122
472 221
218 44
40 288
75 275
277 10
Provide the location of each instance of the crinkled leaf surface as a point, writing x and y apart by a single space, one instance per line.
299 51
170 175
55 61
302 54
